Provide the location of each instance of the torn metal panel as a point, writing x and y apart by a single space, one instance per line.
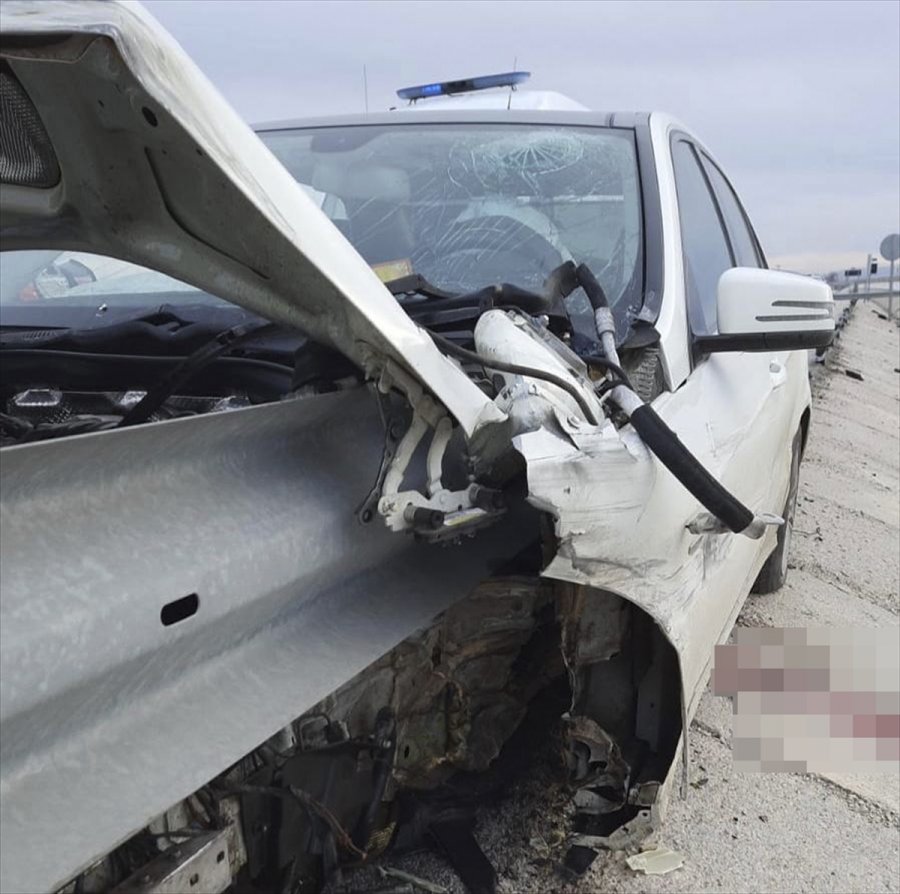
594 624
622 526
459 688
621 734
659 860
596 765
200 863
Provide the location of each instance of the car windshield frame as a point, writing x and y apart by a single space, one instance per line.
642 308
641 304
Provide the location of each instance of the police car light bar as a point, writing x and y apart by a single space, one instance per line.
467 85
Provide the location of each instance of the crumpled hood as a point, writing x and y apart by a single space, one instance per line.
156 168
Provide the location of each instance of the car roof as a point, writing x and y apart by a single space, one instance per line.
434 115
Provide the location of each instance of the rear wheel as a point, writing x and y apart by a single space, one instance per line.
774 573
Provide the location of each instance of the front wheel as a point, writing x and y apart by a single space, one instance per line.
774 573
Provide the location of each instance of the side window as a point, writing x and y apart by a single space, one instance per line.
742 241
707 254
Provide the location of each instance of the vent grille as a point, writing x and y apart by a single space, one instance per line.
26 155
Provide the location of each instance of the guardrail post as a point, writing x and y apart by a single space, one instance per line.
891 293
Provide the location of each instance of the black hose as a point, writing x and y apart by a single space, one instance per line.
514 369
609 366
667 447
203 356
591 286
561 282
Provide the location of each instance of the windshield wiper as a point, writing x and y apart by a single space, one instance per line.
561 282
182 372
163 330
414 284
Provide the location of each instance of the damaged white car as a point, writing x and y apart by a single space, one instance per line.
342 460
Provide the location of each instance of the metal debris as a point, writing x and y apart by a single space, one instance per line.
658 860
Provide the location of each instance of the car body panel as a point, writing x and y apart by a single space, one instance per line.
633 540
111 715
671 323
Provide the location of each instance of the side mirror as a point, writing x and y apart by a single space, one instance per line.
767 310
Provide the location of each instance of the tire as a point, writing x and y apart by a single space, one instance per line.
774 573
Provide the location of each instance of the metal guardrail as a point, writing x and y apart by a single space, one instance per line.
852 296
884 298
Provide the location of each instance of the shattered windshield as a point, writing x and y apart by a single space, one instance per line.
467 205
462 205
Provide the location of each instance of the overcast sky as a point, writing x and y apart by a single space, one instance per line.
799 101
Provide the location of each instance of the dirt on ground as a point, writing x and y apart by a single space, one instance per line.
765 832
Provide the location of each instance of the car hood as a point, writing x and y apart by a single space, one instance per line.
144 160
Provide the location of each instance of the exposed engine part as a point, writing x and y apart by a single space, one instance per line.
41 413
617 740
395 423
519 369
435 512
200 863
645 370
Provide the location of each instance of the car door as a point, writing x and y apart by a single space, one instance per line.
734 412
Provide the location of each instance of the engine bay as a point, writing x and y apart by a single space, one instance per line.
42 413
67 381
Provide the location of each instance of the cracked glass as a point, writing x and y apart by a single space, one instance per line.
469 205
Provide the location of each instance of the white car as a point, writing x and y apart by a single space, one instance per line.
384 444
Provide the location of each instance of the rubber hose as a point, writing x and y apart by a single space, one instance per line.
667 447
591 286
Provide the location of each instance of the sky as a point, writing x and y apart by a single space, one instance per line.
798 101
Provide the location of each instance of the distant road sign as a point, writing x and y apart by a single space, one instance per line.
890 247
853 271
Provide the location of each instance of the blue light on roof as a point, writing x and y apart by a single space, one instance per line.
466 85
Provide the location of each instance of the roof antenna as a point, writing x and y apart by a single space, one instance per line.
512 86
366 88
